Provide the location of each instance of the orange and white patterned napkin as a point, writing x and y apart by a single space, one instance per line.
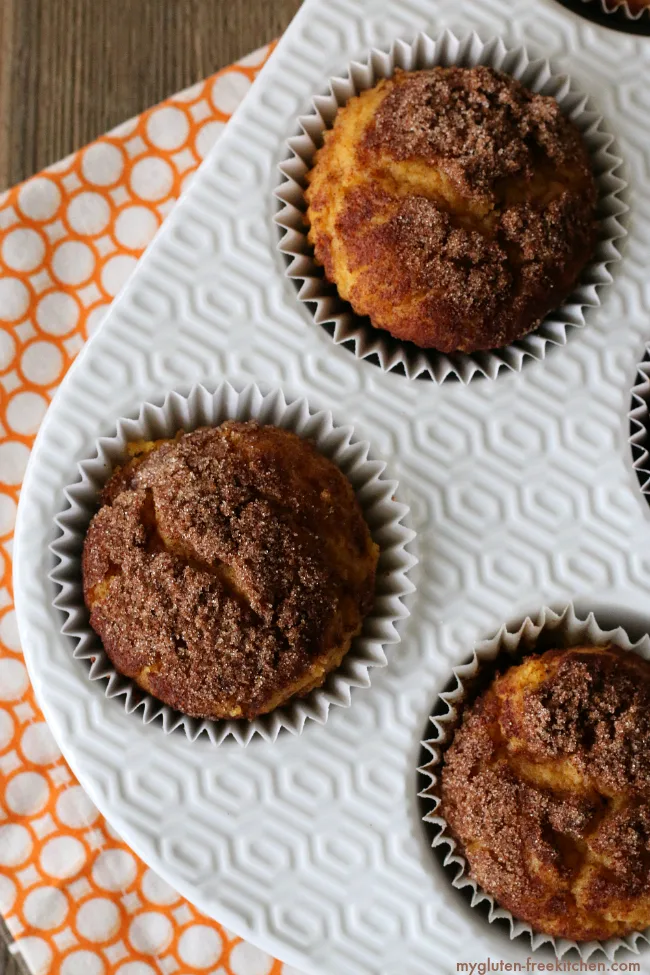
73 895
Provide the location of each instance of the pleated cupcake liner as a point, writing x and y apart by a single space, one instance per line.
329 310
384 515
619 8
565 629
639 417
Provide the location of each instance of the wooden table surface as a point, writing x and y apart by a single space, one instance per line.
72 69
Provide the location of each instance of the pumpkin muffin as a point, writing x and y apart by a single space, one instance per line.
229 569
452 206
546 788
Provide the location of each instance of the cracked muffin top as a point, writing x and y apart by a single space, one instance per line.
452 206
228 569
546 788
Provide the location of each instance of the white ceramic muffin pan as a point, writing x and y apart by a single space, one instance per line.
521 489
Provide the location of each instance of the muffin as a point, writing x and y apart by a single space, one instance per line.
452 206
228 569
546 789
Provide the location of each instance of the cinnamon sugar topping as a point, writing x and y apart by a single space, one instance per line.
478 125
452 206
546 787
228 569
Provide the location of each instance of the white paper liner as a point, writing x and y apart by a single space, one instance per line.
571 631
620 8
330 309
384 516
640 425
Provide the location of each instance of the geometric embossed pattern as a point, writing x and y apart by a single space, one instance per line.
521 491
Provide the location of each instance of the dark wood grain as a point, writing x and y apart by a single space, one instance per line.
10 963
71 69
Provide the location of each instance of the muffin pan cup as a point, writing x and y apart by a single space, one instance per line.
569 630
330 310
384 515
